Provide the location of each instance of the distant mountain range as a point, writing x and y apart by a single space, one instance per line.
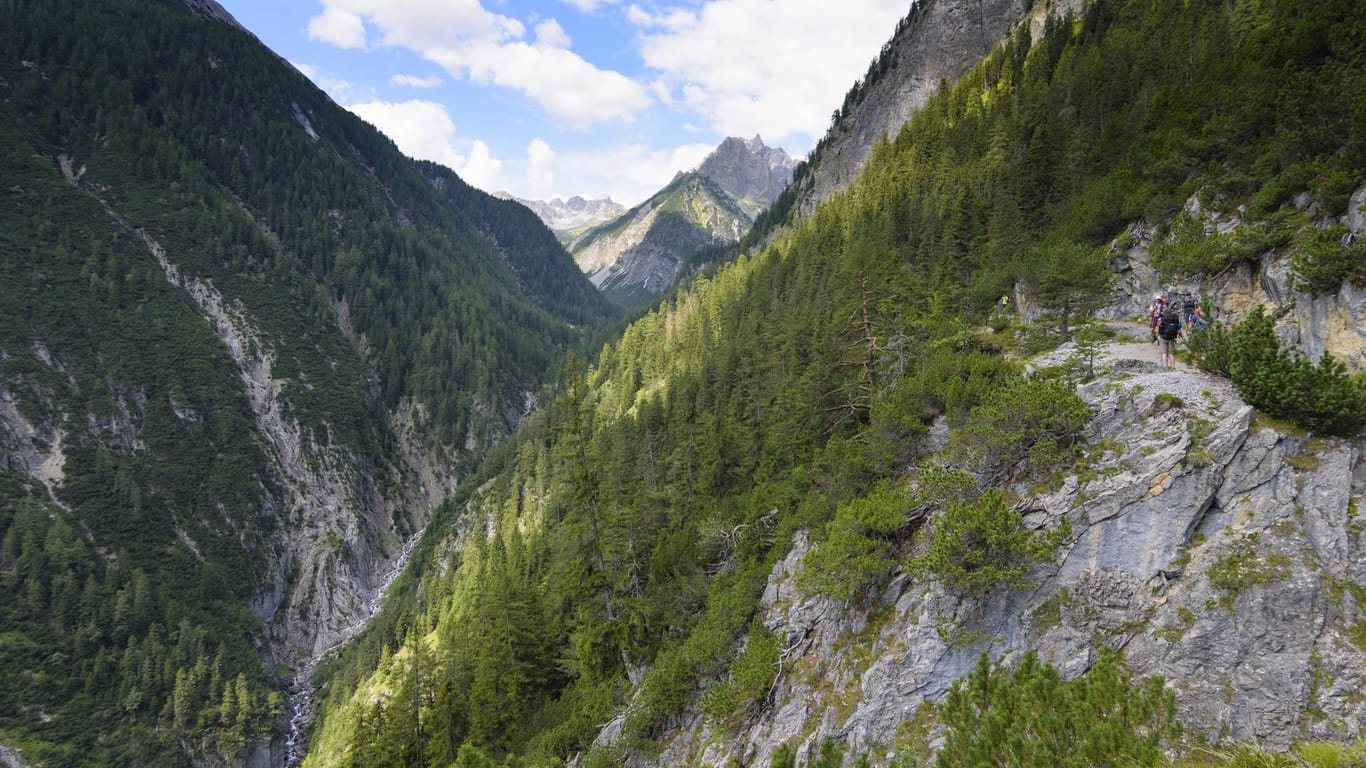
633 256
569 219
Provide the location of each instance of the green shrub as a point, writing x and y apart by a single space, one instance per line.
1026 716
953 382
1321 396
830 756
1029 426
1188 251
751 677
1089 344
981 544
783 757
1322 262
862 540
1210 348
859 543
1332 190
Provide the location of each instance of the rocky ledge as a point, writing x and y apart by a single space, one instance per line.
1219 551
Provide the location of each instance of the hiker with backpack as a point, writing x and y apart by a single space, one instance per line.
1168 331
1155 311
1188 307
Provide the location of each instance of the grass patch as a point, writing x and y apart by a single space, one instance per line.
1165 401
1243 569
1304 462
1049 613
1186 617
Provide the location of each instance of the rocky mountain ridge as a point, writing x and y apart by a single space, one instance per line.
641 253
569 219
752 173
938 41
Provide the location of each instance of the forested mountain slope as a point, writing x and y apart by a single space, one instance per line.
937 40
245 347
610 566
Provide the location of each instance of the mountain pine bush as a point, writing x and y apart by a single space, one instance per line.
1320 396
1326 258
1030 426
1026 715
981 544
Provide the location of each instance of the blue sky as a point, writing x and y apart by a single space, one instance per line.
553 98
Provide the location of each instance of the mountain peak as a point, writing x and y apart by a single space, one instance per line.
568 218
749 171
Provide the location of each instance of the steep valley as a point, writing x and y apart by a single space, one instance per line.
732 538
312 454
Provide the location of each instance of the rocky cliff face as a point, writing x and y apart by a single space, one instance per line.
1309 323
1216 551
940 40
340 546
750 172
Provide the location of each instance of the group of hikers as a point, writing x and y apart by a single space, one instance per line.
1171 318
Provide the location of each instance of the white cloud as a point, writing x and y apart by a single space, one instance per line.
588 6
339 27
540 169
549 34
413 81
482 169
469 41
773 67
672 18
424 130
422 24
558 79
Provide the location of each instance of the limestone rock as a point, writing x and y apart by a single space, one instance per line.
1310 324
1220 554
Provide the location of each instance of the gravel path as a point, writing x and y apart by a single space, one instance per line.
1131 343
1140 348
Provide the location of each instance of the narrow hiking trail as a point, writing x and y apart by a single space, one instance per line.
1131 342
1139 346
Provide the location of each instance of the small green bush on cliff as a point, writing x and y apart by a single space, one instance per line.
1030 426
1189 251
751 678
1320 396
1325 259
981 544
1027 715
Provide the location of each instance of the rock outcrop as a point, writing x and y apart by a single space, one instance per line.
1309 323
1216 551
939 40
